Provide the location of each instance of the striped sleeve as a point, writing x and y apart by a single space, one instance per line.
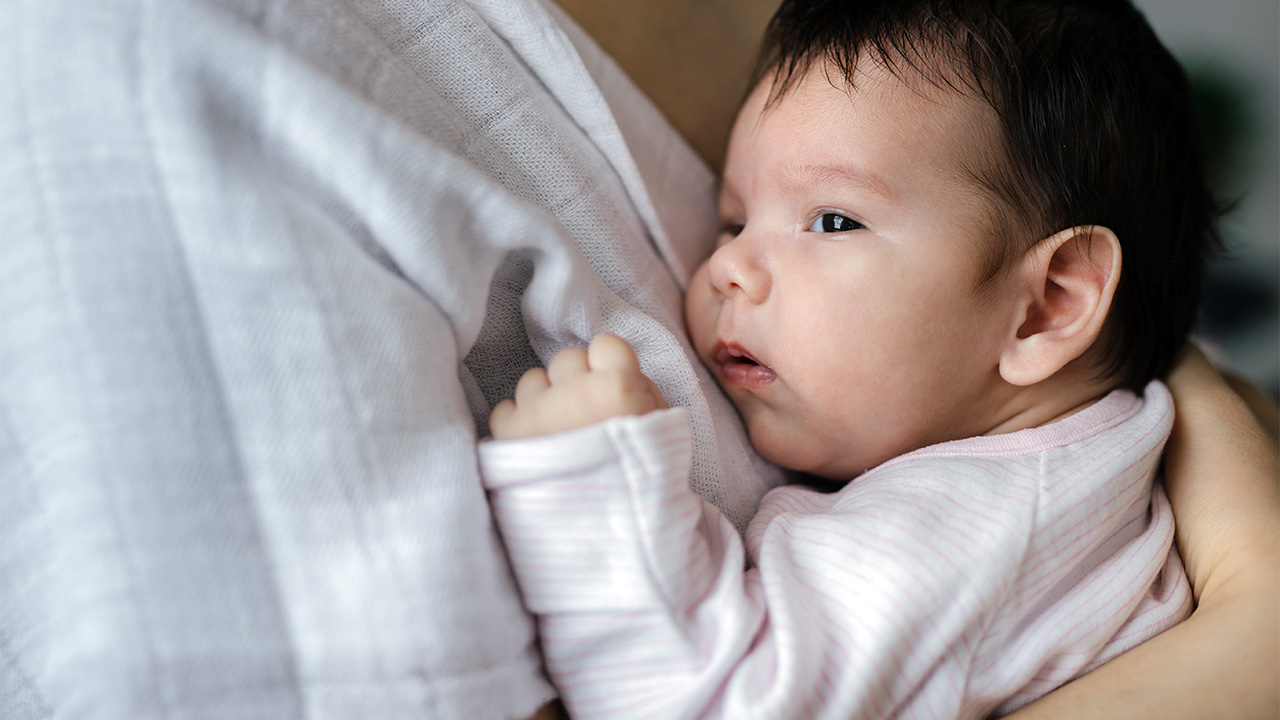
637 583
645 609
591 517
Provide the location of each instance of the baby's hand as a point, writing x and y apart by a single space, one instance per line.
578 388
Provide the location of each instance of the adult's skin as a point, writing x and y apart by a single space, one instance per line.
693 60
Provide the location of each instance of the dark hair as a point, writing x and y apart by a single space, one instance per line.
1098 125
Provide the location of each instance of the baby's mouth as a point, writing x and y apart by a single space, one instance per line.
738 367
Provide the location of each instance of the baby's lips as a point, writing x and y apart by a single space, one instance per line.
727 353
738 367
749 376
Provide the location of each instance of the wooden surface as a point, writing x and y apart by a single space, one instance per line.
692 57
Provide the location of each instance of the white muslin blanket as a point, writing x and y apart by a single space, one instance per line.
265 266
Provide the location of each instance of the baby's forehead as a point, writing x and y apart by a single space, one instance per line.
898 116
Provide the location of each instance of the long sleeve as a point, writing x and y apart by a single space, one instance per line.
638 584
645 609
939 585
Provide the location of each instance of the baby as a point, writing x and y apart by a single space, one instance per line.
961 240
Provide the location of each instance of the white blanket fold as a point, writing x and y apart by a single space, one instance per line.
266 265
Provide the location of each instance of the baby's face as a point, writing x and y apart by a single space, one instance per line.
839 310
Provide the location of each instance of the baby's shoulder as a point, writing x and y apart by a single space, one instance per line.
934 490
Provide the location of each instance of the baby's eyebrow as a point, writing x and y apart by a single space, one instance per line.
723 186
839 173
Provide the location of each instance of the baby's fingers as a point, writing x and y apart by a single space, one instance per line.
533 383
502 420
659 402
610 352
567 364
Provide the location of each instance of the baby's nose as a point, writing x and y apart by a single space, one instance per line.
737 267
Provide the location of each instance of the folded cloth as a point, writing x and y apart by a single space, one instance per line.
266 266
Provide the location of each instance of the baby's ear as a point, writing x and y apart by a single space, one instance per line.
1068 281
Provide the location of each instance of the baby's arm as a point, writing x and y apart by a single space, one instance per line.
578 388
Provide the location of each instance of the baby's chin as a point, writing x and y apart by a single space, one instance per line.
836 458
808 458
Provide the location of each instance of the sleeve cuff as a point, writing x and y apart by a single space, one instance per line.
581 452
580 512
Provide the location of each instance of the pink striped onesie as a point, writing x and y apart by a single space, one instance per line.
957 580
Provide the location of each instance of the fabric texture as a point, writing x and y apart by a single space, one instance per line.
955 581
266 266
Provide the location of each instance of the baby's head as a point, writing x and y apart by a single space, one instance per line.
951 218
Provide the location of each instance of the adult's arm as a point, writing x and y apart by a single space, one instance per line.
1224 661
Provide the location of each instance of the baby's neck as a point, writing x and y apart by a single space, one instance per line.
1057 398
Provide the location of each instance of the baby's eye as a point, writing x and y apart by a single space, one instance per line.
834 222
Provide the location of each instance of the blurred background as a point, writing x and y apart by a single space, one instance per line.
1231 49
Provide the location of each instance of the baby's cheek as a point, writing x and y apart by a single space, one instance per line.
697 304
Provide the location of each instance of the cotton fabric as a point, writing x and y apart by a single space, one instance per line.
266 265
